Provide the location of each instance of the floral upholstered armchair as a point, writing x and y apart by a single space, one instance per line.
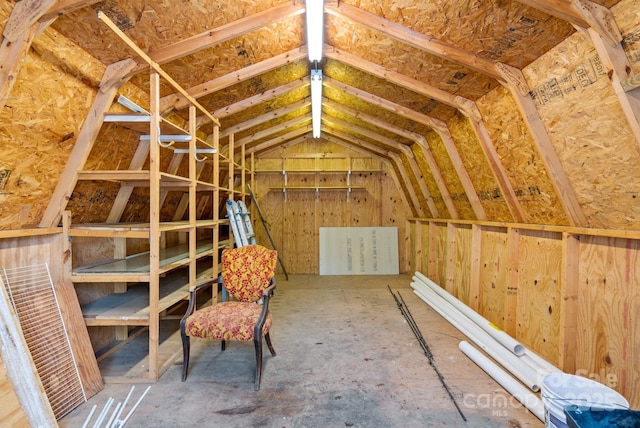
248 274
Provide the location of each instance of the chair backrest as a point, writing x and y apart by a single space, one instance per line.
247 271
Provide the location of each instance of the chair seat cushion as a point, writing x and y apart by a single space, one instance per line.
226 321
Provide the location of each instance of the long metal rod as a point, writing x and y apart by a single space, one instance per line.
404 309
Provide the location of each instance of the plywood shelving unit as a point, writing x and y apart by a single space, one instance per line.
325 164
181 254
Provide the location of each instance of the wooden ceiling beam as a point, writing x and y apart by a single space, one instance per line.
583 13
619 68
399 79
293 123
18 33
256 99
24 15
178 101
400 176
274 114
114 77
418 40
280 139
438 126
419 140
65 6
395 150
466 106
225 32
279 147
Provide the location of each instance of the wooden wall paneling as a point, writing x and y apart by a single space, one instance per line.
415 231
493 274
539 271
631 373
451 260
441 248
462 279
567 340
299 234
605 302
475 289
511 298
432 269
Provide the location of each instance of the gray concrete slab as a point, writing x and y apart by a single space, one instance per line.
346 358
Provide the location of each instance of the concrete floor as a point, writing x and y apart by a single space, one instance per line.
346 358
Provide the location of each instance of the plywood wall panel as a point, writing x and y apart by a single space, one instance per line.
298 218
440 242
539 292
462 258
607 317
493 275
299 225
589 131
520 158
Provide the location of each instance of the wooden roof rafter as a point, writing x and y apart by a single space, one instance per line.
394 159
581 13
464 105
510 77
429 44
419 140
292 123
274 114
280 139
114 77
437 125
257 99
179 101
617 62
223 33
393 175
394 152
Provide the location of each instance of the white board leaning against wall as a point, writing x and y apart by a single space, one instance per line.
359 251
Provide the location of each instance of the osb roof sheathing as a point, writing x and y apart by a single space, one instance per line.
506 31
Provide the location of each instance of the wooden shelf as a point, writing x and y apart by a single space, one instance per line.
313 171
318 188
132 307
135 268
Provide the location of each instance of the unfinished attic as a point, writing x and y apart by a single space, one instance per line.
492 147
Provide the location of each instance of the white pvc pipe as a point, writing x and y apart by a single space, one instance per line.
528 400
503 338
498 352
536 359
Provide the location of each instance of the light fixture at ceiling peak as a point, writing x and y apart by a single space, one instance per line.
316 101
315 28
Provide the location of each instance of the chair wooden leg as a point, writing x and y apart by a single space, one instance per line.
186 347
257 342
268 339
224 345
